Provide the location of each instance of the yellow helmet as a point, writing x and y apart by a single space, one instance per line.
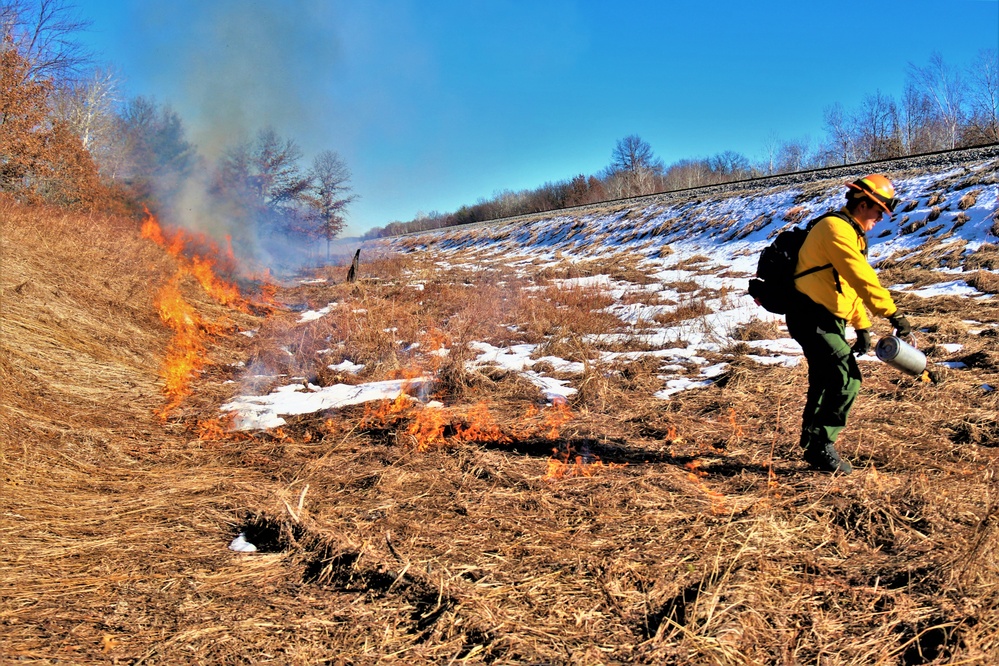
878 189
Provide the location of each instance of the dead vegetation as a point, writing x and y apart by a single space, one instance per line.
619 528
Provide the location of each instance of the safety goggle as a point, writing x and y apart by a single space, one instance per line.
889 203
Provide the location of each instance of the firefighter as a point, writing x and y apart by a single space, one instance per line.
837 295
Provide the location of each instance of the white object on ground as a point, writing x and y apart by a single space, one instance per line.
241 545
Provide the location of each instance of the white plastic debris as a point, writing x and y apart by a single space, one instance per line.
241 545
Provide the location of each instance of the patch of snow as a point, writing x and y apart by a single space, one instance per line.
347 366
265 411
312 315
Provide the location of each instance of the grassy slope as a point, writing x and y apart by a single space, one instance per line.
710 546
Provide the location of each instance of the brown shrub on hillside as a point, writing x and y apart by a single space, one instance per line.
40 159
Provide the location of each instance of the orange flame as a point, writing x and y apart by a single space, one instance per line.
481 426
559 467
556 417
737 431
185 351
198 257
427 429
696 475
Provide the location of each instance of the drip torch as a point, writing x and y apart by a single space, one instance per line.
903 356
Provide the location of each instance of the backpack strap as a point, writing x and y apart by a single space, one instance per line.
816 269
860 232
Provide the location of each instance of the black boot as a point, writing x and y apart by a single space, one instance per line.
824 458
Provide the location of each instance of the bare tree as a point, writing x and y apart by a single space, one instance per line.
792 155
877 128
942 84
328 196
634 169
633 154
770 145
155 154
46 33
278 175
841 138
88 108
728 166
919 122
984 97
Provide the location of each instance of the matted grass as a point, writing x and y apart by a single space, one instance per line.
628 530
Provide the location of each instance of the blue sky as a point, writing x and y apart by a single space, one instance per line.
435 104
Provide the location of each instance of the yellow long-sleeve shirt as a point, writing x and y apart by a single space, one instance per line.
834 241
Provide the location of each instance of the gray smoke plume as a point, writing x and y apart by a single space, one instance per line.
239 66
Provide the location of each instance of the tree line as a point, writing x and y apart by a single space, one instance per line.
941 107
68 137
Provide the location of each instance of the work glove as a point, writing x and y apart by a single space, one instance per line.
863 343
903 328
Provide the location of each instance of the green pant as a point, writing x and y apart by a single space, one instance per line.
833 374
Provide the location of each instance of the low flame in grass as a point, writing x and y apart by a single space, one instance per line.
381 412
481 426
427 429
560 466
556 417
434 427
697 475
737 430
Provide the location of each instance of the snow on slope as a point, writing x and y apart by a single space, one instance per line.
951 208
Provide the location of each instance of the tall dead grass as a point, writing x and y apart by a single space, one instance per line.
620 529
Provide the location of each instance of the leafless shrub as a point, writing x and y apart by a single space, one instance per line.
934 213
935 198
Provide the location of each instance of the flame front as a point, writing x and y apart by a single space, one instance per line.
185 353
197 257
696 475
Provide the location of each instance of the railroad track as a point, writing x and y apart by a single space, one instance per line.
898 165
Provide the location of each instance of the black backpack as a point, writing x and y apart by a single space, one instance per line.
773 288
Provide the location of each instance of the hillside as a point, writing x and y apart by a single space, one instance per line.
558 439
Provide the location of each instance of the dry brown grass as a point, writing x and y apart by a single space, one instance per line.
661 532
969 199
